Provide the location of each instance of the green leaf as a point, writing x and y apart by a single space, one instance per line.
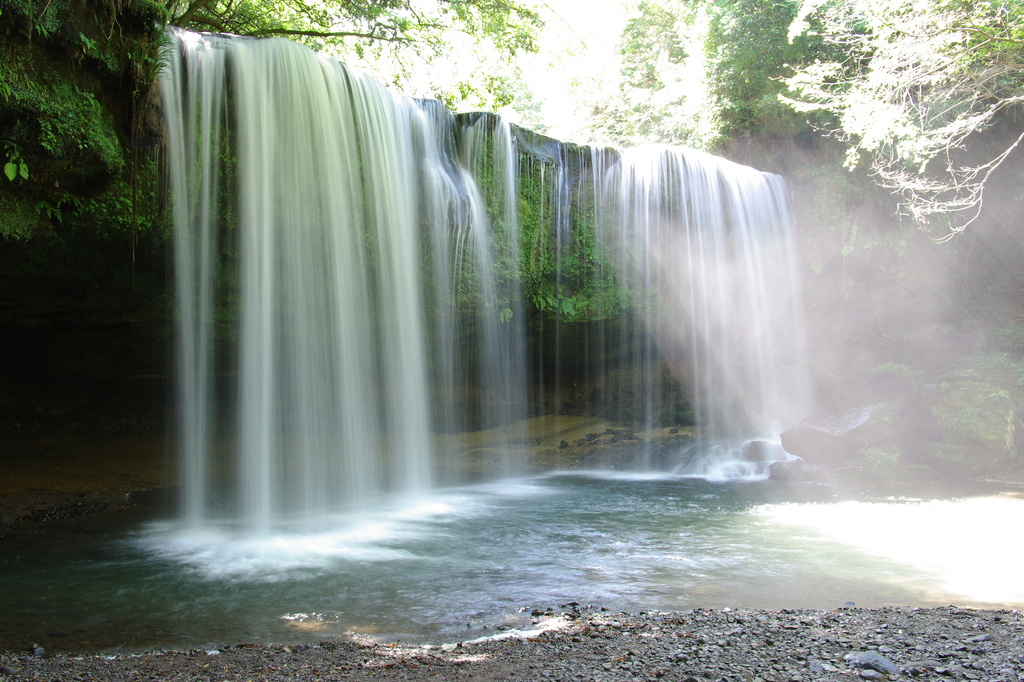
11 170
23 170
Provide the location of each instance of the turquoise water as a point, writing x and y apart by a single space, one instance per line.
465 562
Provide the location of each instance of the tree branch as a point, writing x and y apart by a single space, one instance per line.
309 33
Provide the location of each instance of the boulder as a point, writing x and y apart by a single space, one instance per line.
833 441
760 451
794 470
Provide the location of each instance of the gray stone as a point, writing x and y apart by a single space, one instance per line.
831 441
872 660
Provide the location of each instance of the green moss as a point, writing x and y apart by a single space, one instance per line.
18 220
566 272
55 114
72 85
46 19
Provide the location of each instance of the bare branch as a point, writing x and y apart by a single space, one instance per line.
912 91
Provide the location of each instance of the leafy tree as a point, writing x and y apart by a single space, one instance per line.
907 84
661 88
455 50
748 52
696 72
363 24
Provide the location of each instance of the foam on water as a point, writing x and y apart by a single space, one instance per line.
422 569
309 547
218 554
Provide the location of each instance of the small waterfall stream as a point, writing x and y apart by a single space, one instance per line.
352 280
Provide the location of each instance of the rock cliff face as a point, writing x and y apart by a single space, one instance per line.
83 315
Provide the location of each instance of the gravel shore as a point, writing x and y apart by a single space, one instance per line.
947 643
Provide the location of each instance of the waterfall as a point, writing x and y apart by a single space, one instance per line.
310 205
706 247
356 285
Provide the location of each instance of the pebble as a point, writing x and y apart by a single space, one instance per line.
702 645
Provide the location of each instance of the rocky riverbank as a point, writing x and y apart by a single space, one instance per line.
842 644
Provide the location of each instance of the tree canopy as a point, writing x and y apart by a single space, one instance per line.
460 51
908 84
914 88
697 72
362 24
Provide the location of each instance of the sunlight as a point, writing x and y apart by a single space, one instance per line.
964 544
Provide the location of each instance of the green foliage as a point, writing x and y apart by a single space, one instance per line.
566 274
698 72
1011 336
44 18
18 219
748 51
400 41
364 24
1002 369
652 31
561 269
70 82
878 457
896 370
662 86
56 115
14 169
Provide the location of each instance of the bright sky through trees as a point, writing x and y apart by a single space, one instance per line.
577 58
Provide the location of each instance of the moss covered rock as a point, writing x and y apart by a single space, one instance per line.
73 81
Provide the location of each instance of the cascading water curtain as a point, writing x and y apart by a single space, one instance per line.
346 289
311 207
706 246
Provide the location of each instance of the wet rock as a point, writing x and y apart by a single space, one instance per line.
832 441
794 470
760 451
